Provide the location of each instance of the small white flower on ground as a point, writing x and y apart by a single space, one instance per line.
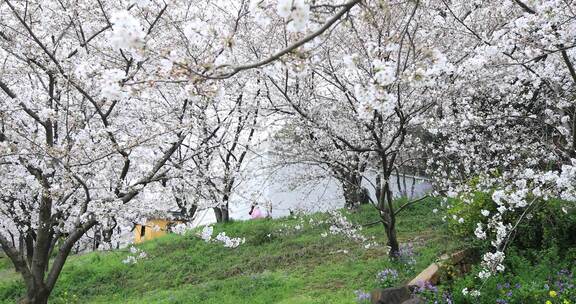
206 234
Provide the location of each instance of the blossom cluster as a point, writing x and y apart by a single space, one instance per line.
135 255
298 11
340 225
362 297
127 32
207 232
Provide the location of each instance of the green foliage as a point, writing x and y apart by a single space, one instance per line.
530 278
468 208
265 234
291 266
548 226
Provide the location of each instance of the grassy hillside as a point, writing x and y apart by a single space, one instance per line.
290 266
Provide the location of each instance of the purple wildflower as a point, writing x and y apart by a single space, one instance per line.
362 296
387 276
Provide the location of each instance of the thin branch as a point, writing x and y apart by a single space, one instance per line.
410 204
235 69
525 7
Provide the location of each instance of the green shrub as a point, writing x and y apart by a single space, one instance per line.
530 277
548 224
468 208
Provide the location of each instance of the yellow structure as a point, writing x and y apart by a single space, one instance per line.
152 229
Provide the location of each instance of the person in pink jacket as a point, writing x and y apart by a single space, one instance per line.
255 212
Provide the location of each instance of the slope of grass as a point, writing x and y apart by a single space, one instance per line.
279 263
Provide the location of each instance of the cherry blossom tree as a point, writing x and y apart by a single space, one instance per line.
111 108
97 98
211 172
368 97
508 119
76 143
297 143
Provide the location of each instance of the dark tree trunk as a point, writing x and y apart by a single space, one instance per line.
225 214
222 214
354 193
40 280
218 214
190 212
351 195
386 209
37 296
187 212
392 240
97 239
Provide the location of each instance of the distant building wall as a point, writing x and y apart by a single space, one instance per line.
152 229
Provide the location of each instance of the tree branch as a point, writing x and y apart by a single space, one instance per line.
410 204
235 69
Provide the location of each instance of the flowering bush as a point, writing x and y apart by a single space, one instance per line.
560 288
541 278
228 241
464 213
406 257
491 221
549 223
206 235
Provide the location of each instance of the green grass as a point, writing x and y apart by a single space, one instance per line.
291 266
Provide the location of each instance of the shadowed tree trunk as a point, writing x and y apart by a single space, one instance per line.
187 210
38 277
387 214
222 213
353 191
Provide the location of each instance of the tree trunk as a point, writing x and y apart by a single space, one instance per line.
354 193
37 296
222 214
386 209
187 209
189 214
350 195
392 241
225 214
218 214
